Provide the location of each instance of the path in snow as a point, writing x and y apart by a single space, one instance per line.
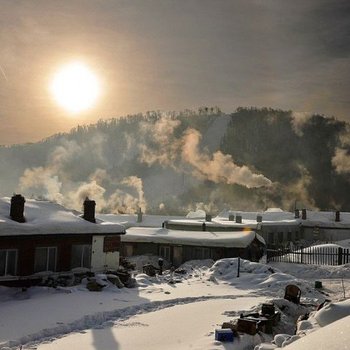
188 326
106 318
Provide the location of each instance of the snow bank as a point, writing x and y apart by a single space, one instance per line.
332 312
263 278
313 272
332 337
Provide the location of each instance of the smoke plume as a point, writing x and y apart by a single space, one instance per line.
341 161
299 119
219 168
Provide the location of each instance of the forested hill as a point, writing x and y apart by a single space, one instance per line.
171 163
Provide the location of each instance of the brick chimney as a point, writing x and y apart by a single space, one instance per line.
231 217
17 208
303 214
296 214
337 216
207 217
89 210
238 219
139 215
258 218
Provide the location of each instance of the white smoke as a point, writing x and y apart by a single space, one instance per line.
219 167
299 119
74 199
44 181
125 196
136 183
341 161
166 147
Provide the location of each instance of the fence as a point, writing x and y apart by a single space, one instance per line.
315 255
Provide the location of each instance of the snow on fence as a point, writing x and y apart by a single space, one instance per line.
315 255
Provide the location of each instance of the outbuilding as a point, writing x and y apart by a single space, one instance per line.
178 246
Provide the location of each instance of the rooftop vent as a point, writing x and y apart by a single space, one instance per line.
89 210
207 217
337 216
303 214
231 217
17 208
259 218
238 219
139 215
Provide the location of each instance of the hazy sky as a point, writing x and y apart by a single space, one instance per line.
172 55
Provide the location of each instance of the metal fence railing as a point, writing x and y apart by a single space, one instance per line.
315 255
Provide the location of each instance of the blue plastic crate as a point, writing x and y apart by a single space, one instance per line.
224 335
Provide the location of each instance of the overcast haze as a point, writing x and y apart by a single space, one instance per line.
172 55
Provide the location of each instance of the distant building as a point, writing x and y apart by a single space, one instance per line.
40 237
178 246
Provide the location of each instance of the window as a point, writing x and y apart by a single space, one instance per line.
8 262
81 255
45 259
164 252
271 238
289 236
128 250
200 253
280 237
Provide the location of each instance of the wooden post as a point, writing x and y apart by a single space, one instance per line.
238 266
340 256
301 255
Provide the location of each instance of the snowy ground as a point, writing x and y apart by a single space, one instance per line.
163 312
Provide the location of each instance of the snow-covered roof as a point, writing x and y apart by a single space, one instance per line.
272 216
237 239
44 217
130 220
326 219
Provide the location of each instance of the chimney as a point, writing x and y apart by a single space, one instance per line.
139 215
238 219
259 218
231 217
207 217
89 210
17 208
337 216
303 214
296 214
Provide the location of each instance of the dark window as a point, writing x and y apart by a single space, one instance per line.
271 238
81 255
164 252
45 259
200 253
8 262
289 236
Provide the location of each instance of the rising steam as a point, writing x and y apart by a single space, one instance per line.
219 167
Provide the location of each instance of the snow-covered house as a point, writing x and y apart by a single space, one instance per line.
39 236
325 225
178 246
274 225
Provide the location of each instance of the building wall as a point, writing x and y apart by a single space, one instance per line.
326 233
102 260
26 245
280 234
188 252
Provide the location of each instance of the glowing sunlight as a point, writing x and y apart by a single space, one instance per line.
75 87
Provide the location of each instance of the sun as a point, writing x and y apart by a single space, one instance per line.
75 87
